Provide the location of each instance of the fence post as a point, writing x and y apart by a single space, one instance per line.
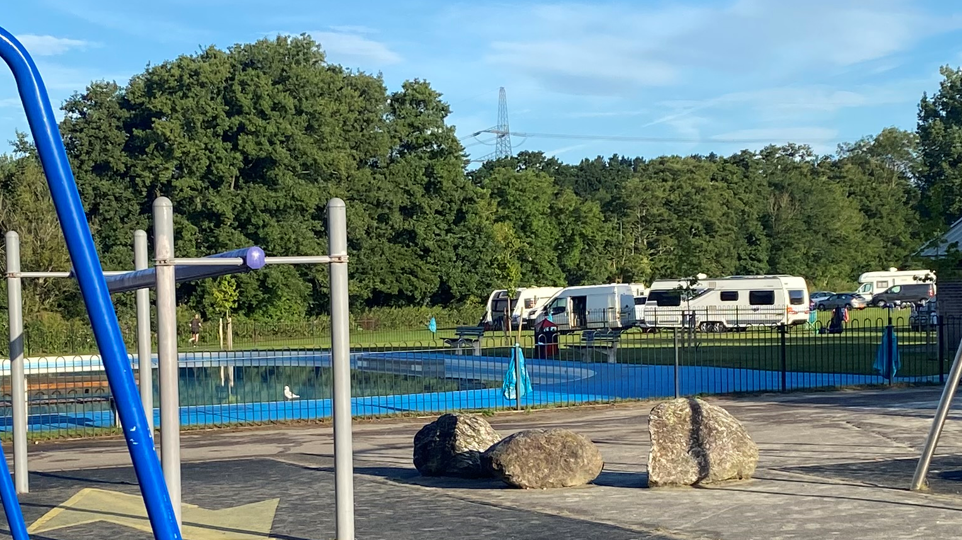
341 367
18 381
674 334
144 362
891 353
940 320
783 333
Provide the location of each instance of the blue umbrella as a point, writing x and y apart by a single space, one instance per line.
433 327
510 387
887 361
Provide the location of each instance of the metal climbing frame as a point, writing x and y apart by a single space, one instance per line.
159 480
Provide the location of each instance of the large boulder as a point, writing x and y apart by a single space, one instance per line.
694 442
544 458
452 446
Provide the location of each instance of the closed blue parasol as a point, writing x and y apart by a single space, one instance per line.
511 386
887 362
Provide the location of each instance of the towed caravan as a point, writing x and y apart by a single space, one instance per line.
523 308
609 306
732 302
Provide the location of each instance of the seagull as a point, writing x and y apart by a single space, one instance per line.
288 394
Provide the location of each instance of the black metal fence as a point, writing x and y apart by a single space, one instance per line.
281 373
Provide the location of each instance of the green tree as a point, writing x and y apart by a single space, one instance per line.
940 152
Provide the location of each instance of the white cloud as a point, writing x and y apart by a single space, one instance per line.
625 48
564 149
50 45
607 114
780 135
353 29
355 50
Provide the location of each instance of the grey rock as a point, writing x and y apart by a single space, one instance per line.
452 446
694 442
544 458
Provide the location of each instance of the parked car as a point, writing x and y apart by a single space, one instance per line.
904 294
818 296
849 300
925 316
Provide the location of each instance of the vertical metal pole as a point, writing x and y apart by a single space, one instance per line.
948 393
784 353
340 362
167 349
18 386
940 320
674 335
145 369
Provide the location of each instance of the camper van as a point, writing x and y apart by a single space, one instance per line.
523 308
872 283
591 307
727 303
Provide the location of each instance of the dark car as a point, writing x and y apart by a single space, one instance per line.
904 294
848 300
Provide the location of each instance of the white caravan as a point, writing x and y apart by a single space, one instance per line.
524 307
872 283
733 302
592 307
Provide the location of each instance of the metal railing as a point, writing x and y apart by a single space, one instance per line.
282 373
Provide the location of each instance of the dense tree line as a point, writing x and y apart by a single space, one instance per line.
250 143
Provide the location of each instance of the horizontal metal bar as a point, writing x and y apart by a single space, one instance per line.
308 259
40 274
59 274
205 261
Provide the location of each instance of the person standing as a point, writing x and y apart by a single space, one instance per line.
195 329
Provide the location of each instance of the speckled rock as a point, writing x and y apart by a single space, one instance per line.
694 442
544 458
452 446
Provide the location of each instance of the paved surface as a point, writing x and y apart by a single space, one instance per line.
832 465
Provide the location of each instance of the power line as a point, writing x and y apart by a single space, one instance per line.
500 133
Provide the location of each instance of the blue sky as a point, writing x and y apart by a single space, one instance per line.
700 76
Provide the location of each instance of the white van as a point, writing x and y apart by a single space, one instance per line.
524 307
592 307
872 283
732 302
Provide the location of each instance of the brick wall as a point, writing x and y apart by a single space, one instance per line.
950 308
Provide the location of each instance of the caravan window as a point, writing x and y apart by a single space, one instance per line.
499 306
882 285
669 298
729 296
796 298
761 298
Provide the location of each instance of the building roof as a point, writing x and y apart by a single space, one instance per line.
937 247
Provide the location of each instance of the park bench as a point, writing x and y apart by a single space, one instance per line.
604 341
465 336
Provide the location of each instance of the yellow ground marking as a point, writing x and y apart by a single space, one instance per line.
89 505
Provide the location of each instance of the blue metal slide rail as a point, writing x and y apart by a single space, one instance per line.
93 287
